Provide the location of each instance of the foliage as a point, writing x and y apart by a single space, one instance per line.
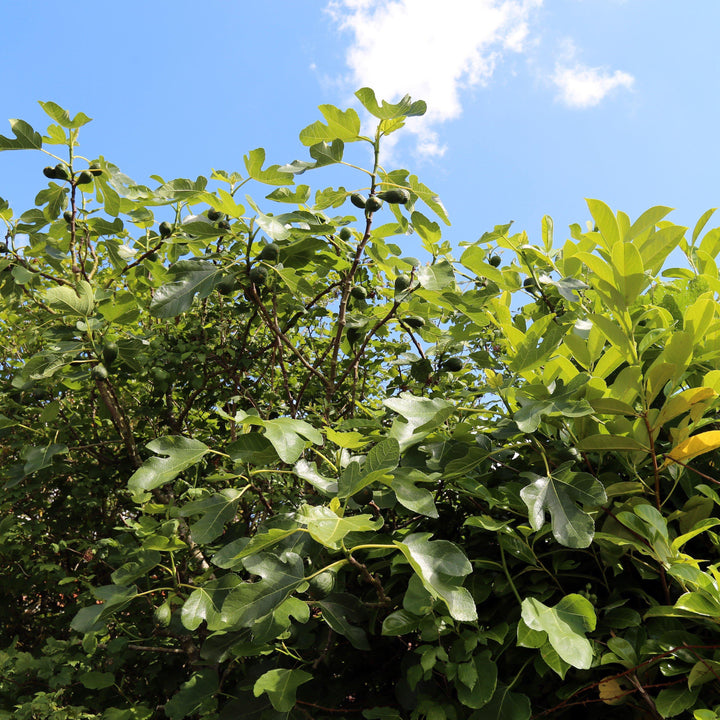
257 462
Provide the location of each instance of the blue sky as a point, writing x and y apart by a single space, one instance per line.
533 104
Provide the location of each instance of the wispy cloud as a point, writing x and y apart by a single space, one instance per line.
431 51
581 86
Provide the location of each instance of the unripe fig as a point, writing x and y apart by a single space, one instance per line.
414 321
99 372
49 172
358 292
166 229
226 286
395 196
68 216
95 169
355 335
110 352
358 200
322 585
373 204
345 233
224 225
363 497
453 364
495 260
214 215
4 248
402 283
83 178
270 253
258 275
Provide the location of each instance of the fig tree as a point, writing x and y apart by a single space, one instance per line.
402 283
358 200
373 204
420 370
166 229
270 253
395 196
258 275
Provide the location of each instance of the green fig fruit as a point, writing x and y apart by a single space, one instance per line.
214 215
453 364
110 352
358 200
166 229
4 248
495 260
395 196
83 178
355 335
258 275
99 372
68 216
322 585
270 253
226 286
363 497
49 172
358 292
224 225
345 233
402 283
414 321
95 169
373 204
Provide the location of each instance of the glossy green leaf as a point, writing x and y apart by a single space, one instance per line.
405 108
565 625
338 611
341 125
505 705
62 117
25 137
481 691
69 301
179 453
205 603
329 529
672 701
189 278
571 526
254 161
441 565
281 686
195 695
215 511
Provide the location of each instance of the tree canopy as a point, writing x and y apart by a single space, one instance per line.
258 462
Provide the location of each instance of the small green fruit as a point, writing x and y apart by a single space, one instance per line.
322 585
358 200
402 283
99 372
495 260
166 229
95 169
214 215
84 178
258 275
49 172
358 292
224 225
270 253
414 321
395 196
226 286
355 335
110 352
373 204
59 172
363 497
4 248
453 364
345 233
68 216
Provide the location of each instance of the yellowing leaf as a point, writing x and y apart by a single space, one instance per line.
692 447
611 691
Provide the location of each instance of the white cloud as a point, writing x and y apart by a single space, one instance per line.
581 86
431 51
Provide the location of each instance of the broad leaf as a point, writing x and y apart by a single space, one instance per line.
179 454
190 278
281 686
